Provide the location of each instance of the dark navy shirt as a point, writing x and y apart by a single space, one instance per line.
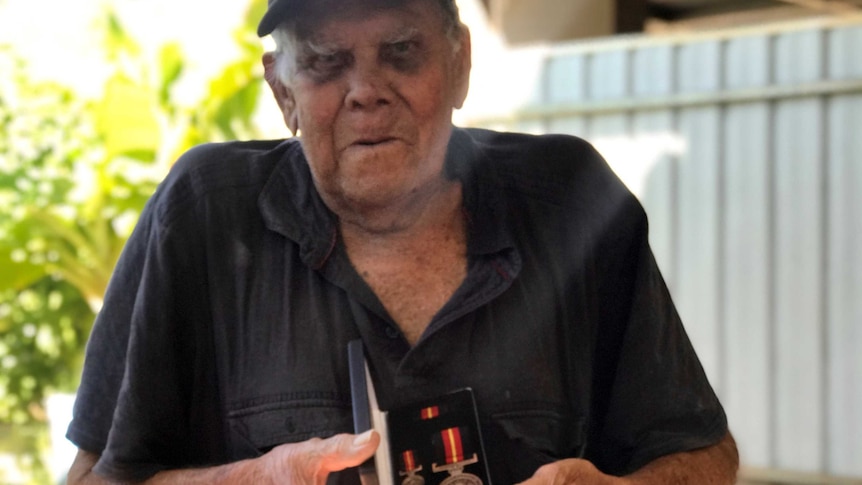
225 327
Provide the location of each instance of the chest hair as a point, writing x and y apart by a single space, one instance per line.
413 282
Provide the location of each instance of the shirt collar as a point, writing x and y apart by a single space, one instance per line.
489 229
291 206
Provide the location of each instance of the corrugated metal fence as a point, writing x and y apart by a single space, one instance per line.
746 150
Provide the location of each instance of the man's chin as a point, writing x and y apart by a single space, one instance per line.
371 197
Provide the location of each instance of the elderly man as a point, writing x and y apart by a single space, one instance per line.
515 265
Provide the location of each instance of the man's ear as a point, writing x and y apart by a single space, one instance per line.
283 94
463 64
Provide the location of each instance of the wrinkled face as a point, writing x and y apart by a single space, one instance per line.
372 96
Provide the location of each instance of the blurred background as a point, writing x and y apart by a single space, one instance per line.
738 124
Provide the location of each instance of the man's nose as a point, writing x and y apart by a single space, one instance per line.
368 87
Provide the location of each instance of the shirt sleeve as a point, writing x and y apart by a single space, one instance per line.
659 400
105 356
147 359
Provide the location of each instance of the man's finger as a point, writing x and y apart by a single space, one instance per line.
346 450
310 462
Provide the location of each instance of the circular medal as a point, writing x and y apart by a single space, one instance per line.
413 480
462 479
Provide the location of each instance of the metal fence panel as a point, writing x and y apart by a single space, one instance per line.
844 58
653 71
799 391
844 283
747 265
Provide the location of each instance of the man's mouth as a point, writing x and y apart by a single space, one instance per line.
373 141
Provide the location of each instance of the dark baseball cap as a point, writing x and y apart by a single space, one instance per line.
278 10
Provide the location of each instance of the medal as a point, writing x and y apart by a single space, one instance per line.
454 453
408 469
462 479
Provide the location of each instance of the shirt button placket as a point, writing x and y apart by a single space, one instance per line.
392 332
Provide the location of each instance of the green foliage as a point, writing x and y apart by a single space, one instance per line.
53 253
227 108
74 175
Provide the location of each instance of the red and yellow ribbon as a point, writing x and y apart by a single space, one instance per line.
409 461
452 446
430 412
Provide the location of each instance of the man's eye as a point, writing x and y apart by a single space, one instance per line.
404 55
402 48
327 61
324 65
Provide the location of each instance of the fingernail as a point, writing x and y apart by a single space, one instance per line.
362 438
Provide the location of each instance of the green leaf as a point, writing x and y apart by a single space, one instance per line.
15 274
117 41
171 65
126 117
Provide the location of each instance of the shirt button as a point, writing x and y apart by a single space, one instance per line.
392 332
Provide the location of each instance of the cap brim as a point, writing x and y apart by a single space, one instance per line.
274 15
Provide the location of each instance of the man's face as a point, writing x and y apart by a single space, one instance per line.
373 95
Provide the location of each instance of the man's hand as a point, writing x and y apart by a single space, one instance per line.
310 462
713 465
572 471
306 463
